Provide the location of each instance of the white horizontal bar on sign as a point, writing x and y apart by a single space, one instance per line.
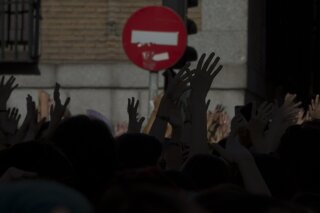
161 56
160 38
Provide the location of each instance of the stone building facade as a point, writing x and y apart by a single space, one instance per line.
80 47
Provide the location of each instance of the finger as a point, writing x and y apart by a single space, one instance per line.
13 110
16 110
266 109
254 110
308 116
29 98
136 106
15 87
208 61
220 108
293 106
10 81
214 64
200 62
66 103
317 99
128 105
269 111
290 97
33 105
269 107
188 71
56 93
215 73
208 104
51 111
312 104
182 70
2 81
298 104
18 118
11 113
186 76
262 106
141 120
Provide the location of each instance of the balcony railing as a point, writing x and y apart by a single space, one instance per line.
19 31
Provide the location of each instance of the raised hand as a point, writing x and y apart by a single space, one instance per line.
204 75
200 83
218 124
257 124
314 108
213 117
57 110
236 153
135 123
289 110
32 116
6 89
282 118
120 129
177 86
9 125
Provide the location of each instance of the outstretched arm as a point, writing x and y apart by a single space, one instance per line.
201 81
176 87
56 112
135 123
6 89
283 117
238 154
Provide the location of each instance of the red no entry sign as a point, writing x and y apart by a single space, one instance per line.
154 38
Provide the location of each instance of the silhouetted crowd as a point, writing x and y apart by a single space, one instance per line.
186 158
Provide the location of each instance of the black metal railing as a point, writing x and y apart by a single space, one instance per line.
19 30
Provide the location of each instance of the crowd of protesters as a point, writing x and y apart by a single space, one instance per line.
184 158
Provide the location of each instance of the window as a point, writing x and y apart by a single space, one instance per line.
19 35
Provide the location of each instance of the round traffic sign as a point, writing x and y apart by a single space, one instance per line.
154 38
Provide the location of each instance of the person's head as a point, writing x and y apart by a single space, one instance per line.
230 199
42 197
181 180
89 145
43 160
206 171
299 150
137 151
87 142
310 201
146 199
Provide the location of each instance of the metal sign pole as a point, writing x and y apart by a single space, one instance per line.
153 89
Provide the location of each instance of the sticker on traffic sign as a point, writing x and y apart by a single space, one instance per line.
154 38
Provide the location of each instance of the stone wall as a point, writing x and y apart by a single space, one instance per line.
82 31
105 79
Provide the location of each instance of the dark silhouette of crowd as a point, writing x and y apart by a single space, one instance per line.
269 161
